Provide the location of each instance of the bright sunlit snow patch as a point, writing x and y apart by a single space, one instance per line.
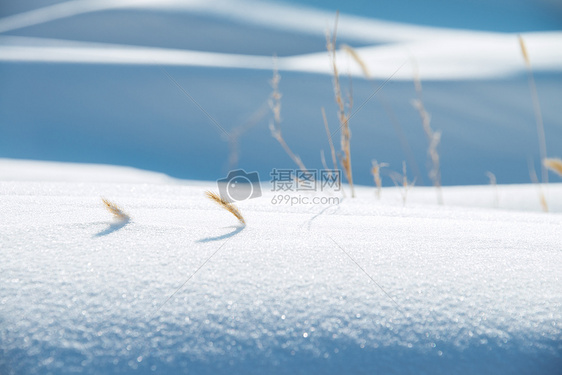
364 286
447 58
42 171
177 285
53 51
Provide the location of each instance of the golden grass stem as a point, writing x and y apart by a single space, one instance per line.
433 137
233 137
524 51
115 210
229 206
375 170
343 116
395 123
554 164
275 125
328 133
536 109
355 56
401 180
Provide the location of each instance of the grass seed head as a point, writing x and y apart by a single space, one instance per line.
230 207
115 210
554 164
524 51
355 56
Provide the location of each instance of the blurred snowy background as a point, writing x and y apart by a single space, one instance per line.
86 81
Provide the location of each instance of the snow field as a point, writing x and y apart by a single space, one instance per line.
452 289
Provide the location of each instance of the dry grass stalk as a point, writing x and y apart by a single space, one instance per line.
433 137
355 56
492 178
233 137
230 207
493 182
554 164
343 115
396 124
542 198
275 125
534 178
401 180
536 108
375 170
332 149
115 210
524 52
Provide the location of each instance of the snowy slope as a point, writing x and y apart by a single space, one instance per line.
360 287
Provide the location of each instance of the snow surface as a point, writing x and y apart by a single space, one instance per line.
365 286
